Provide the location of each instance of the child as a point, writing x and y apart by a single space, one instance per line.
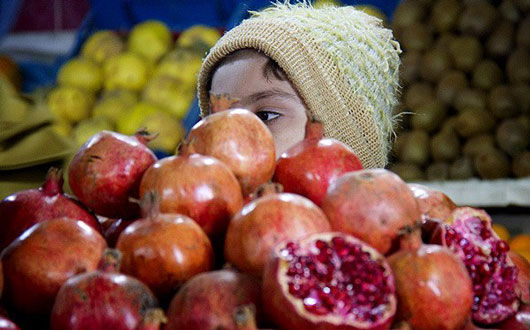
292 63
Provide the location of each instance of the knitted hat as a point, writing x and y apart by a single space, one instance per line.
343 63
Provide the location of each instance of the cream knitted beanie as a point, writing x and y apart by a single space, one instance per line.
343 63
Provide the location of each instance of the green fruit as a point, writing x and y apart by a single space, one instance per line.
70 103
81 73
129 124
115 104
125 71
89 127
102 45
170 94
150 39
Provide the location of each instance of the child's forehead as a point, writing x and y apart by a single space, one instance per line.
243 54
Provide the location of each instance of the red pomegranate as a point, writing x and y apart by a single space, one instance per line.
470 236
38 262
197 186
311 165
209 300
28 207
520 321
113 232
328 281
266 221
102 299
239 139
433 287
373 205
164 250
522 288
433 203
106 172
7 324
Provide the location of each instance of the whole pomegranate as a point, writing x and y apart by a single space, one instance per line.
238 138
106 172
28 207
164 250
373 205
102 299
470 236
311 165
38 262
433 203
113 232
7 324
209 300
522 288
433 288
328 281
197 186
269 219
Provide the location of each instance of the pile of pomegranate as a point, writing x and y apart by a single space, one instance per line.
223 235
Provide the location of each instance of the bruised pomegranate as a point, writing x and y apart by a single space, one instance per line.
328 281
470 236
373 205
311 165
433 203
38 262
197 186
239 139
102 299
106 172
433 288
25 208
7 324
209 300
164 250
266 221
522 287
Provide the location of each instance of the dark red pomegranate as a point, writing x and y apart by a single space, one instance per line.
197 186
311 165
7 324
164 250
38 262
113 232
433 203
433 287
328 281
373 205
106 172
522 288
209 300
23 209
102 299
470 236
269 219
238 138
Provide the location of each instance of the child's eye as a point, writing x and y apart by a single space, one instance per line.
266 116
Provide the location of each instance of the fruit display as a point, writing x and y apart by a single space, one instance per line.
183 242
117 83
465 77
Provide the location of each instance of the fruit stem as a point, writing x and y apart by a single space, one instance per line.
144 136
150 205
245 317
314 130
410 237
110 261
266 189
152 319
53 184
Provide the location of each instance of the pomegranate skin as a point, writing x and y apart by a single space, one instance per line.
103 299
522 287
266 221
311 165
433 204
433 288
209 300
23 209
238 138
197 186
37 263
106 172
370 201
289 313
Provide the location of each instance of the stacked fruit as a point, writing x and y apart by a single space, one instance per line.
466 89
207 239
143 81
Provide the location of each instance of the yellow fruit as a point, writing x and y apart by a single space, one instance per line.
372 10
13 109
125 71
89 127
182 64
170 94
70 103
62 127
525 253
150 39
520 242
200 37
170 131
102 45
114 104
502 231
130 123
82 73
325 3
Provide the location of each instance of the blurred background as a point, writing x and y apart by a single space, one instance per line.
72 68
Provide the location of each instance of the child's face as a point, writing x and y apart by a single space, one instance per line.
273 100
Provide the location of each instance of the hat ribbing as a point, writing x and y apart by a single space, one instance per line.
342 61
